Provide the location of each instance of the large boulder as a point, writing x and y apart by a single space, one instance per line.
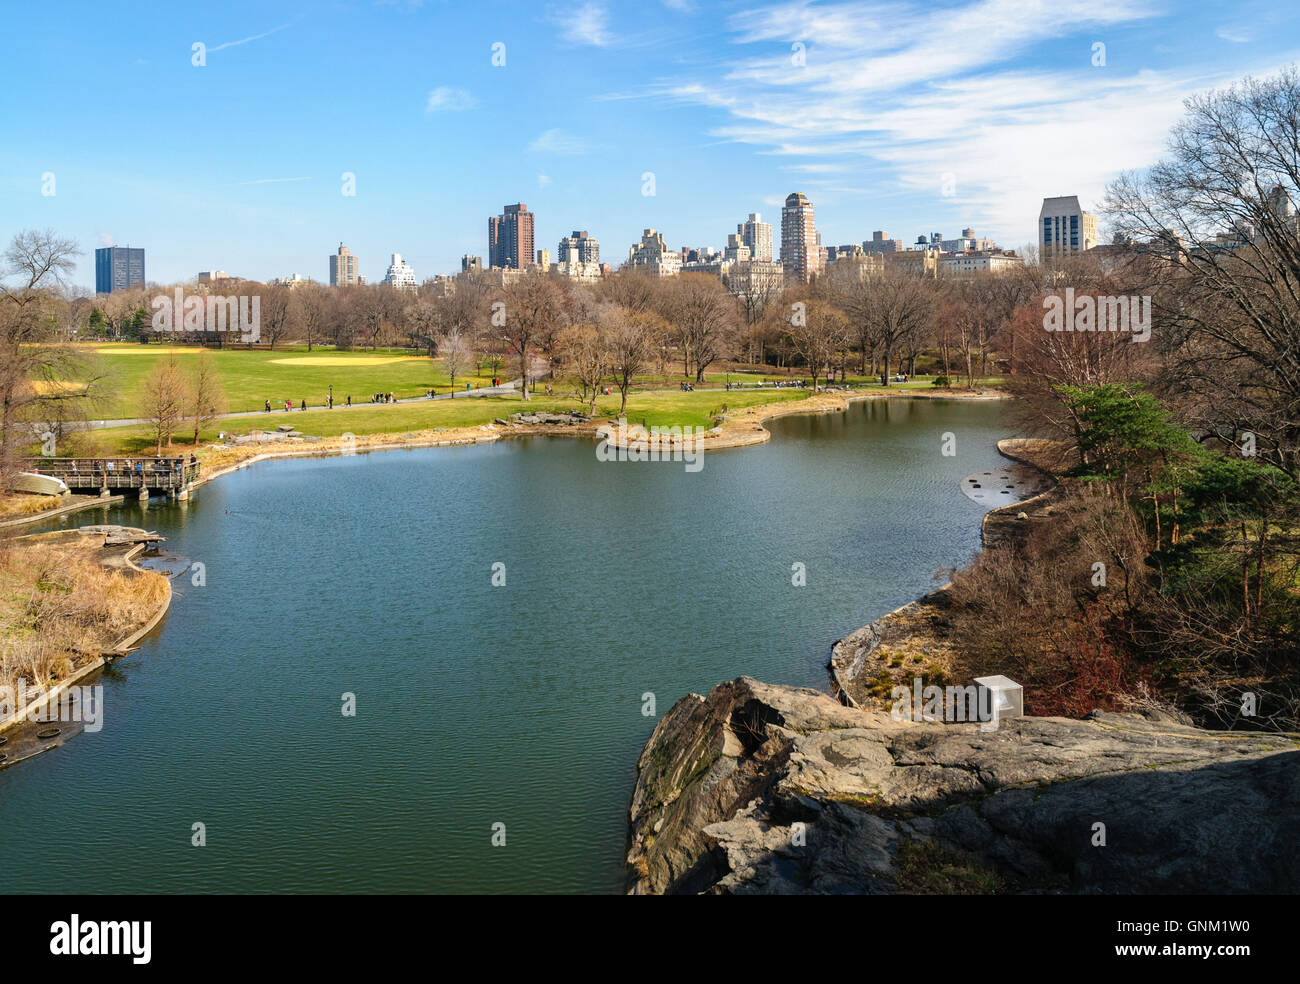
759 788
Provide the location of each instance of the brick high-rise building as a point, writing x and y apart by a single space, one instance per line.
510 237
118 267
343 269
801 253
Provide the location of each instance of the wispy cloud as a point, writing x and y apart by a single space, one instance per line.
445 99
556 141
1237 35
543 180
588 24
255 37
912 98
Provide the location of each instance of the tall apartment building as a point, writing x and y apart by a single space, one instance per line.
400 274
118 267
510 237
653 255
1064 227
343 269
587 249
471 264
801 252
757 235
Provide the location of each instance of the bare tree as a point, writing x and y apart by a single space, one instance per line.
703 315
633 338
163 399
455 353
1214 228
276 313
532 307
583 351
888 310
314 312
207 397
817 331
32 368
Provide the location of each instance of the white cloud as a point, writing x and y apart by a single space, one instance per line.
1236 35
106 239
445 99
588 24
904 94
543 180
556 141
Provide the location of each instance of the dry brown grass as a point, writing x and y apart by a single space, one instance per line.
18 504
60 607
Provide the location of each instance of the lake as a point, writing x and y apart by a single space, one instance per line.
519 704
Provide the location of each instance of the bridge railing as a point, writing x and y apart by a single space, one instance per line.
153 473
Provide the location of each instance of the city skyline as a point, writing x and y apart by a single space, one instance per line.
680 120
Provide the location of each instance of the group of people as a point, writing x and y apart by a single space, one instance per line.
129 466
328 403
380 398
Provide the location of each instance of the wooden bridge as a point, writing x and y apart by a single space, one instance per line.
157 476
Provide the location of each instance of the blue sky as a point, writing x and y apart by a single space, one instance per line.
237 164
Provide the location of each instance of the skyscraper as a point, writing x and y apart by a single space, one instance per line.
1064 227
800 248
118 267
757 235
343 269
510 237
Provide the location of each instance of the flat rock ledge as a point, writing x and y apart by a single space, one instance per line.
779 790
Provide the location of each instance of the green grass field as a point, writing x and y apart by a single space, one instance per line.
668 409
249 378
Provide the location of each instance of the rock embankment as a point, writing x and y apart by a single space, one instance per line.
764 789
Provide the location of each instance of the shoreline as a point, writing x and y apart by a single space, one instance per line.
741 429
850 655
120 648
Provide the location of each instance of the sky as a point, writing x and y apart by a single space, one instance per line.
612 117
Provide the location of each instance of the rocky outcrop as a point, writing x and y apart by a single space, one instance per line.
764 789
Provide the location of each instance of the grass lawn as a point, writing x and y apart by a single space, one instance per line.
667 409
249 378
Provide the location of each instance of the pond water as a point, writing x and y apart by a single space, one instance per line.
521 704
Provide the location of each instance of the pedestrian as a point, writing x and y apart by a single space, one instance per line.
304 404
268 406
349 399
